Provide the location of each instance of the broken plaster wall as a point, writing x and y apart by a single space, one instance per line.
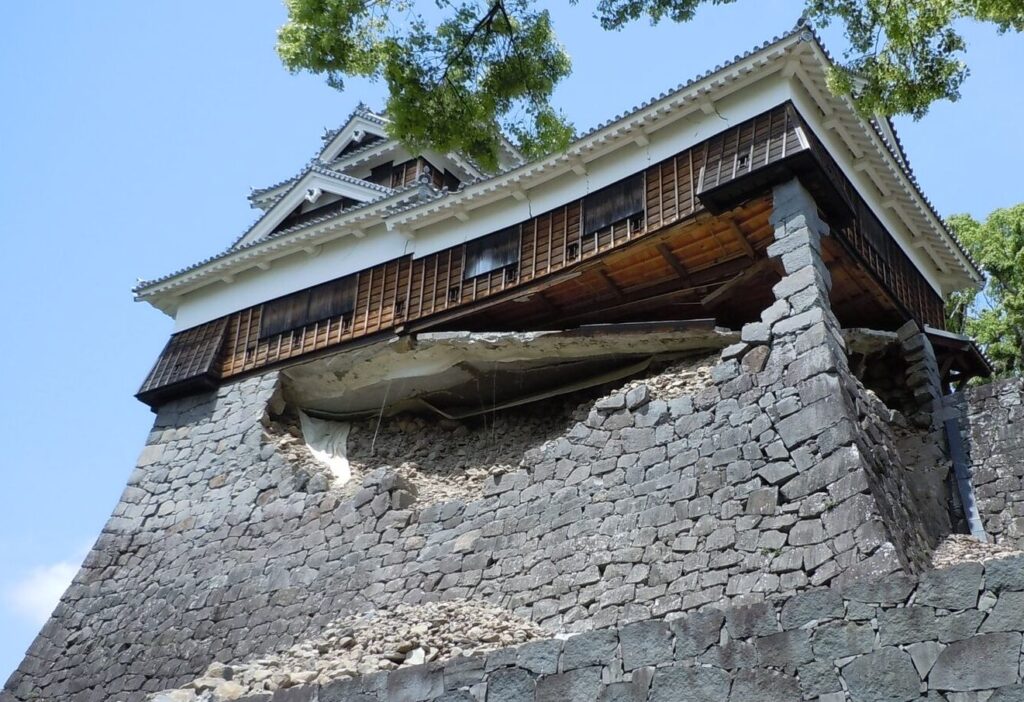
780 475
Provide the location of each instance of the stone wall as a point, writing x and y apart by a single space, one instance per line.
953 634
992 425
782 474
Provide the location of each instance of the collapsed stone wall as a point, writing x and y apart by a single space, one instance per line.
991 419
952 634
782 474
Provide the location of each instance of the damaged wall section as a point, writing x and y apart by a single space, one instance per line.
951 634
781 474
992 421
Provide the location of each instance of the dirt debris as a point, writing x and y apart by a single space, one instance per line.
450 460
960 548
686 377
365 643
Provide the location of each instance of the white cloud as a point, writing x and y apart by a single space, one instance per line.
34 596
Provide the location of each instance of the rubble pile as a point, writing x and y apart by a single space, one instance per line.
445 446
686 377
959 548
365 643
449 459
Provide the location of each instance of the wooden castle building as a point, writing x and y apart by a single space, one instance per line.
660 214
663 416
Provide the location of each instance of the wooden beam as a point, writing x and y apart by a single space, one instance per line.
753 271
547 304
610 284
742 239
947 364
663 292
670 259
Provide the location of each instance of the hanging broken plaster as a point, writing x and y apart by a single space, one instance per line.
327 441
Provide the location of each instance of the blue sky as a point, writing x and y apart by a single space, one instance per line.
130 134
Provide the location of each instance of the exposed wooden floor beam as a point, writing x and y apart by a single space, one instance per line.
718 295
742 239
670 259
610 284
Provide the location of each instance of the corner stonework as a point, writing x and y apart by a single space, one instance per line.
836 432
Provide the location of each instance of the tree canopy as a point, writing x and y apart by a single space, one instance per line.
461 73
995 316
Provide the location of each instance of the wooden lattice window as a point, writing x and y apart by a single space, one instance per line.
333 299
492 252
284 314
613 204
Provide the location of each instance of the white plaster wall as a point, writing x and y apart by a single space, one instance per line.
680 134
337 258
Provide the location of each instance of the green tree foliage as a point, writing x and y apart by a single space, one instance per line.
995 316
454 83
463 70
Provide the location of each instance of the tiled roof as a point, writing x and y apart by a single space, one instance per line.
801 31
235 248
315 166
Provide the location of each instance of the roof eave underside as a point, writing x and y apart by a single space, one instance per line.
890 170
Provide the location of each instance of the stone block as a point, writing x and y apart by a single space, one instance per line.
590 648
751 620
762 501
758 685
580 685
415 683
924 654
695 633
777 472
907 625
677 683
310 693
539 657
816 605
959 625
1005 574
809 422
891 590
1008 693
843 639
955 587
732 655
756 333
978 663
1007 615
637 396
823 473
806 532
510 685
887 674
453 696
785 649
818 678
645 643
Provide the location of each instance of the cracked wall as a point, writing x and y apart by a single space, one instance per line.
780 475
953 634
991 418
